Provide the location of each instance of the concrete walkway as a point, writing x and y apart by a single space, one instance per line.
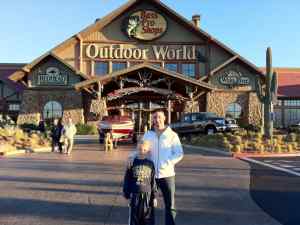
85 189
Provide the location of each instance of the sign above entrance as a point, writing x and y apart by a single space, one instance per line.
161 52
233 78
145 25
52 76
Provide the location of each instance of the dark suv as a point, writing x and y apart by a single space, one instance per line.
205 122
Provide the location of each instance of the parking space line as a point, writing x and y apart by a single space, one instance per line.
270 166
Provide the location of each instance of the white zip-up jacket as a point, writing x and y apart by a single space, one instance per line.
166 151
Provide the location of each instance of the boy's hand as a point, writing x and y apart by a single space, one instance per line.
155 202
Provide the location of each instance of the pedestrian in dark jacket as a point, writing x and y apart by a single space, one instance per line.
56 133
139 188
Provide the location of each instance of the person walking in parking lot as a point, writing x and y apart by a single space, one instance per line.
69 132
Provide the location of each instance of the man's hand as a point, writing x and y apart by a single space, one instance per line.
155 202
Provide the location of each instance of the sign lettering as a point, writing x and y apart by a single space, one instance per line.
233 78
52 76
145 25
162 52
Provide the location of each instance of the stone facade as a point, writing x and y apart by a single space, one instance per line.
34 101
94 109
218 101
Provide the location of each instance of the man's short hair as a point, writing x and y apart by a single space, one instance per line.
160 110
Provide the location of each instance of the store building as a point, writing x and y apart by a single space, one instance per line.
287 108
140 57
10 92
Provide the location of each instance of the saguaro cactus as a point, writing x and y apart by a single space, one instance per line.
267 94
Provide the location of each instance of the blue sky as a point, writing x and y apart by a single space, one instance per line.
32 27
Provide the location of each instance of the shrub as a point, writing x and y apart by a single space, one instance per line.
84 129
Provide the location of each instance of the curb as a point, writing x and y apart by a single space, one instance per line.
210 150
249 160
265 155
27 150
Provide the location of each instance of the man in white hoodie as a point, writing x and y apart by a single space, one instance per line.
166 151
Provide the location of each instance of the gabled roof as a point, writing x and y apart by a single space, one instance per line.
6 69
288 81
109 77
101 23
19 74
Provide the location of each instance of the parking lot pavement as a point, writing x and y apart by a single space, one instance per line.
290 165
275 187
85 189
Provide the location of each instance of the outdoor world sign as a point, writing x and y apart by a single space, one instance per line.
53 76
161 52
233 78
145 25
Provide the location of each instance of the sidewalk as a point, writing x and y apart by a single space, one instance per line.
85 189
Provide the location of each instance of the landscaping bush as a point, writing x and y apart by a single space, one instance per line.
85 129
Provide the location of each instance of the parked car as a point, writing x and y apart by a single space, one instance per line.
121 128
231 125
205 122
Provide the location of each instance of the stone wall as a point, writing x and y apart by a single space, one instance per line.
218 101
94 108
255 112
34 101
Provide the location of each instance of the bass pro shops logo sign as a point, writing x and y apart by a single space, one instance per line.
233 78
145 25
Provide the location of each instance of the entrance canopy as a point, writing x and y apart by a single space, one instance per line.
145 82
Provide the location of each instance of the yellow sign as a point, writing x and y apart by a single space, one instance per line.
145 25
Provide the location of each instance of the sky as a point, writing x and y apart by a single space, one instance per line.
32 27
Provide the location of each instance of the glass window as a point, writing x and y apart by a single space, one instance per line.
52 109
189 70
118 66
156 64
292 116
14 107
234 110
171 66
101 68
292 102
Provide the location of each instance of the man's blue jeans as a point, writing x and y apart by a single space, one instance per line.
167 187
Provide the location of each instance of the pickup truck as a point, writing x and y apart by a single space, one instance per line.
200 122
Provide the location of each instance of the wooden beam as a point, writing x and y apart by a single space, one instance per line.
224 64
199 95
88 90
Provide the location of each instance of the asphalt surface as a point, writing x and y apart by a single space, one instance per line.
275 187
85 189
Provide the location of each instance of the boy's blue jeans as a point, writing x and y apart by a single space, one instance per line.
167 187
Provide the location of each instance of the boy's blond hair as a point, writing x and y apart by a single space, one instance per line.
144 143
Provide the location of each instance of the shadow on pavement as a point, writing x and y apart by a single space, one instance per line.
64 211
277 193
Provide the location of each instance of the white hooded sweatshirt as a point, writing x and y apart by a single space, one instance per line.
166 151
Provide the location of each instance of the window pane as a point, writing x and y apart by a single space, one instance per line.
171 67
234 110
14 107
156 64
52 110
101 68
119 66
189 70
